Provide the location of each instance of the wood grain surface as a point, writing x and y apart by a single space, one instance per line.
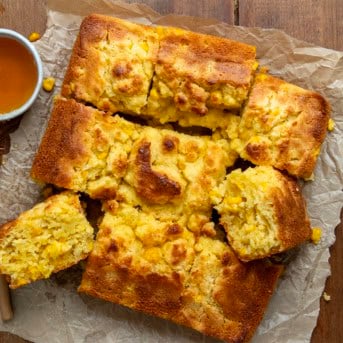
317 21
220 9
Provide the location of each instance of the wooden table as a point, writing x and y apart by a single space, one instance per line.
317 21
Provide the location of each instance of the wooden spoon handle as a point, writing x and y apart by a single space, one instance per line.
5 300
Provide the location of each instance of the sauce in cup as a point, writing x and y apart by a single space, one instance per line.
18 75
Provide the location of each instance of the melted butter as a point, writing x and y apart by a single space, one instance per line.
18 75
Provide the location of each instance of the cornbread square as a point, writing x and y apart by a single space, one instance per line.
262 211
90 151
52 236
175 172
84 150
283 126
112 64
200 80
163 269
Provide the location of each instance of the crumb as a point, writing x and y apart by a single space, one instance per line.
47 192
264 69
326 297
310 178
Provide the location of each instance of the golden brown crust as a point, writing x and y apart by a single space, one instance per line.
200 80
153 186
111 65
201 284
290 210
232 61
113 62
90 151
244 292
283 125
63 146
84 149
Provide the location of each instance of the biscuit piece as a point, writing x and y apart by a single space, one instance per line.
164 269
50 237
283 126
199 79
86 150
111 65
263 212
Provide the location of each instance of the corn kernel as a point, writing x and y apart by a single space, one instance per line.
153 94
331 125
316 235
102 156
152 255
34 36
250 229
275 112
255 65
216 97
144 45
198 298
255 139
234 200
48 84
261 77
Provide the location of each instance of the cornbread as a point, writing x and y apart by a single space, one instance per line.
50 237
78 152
111 65
86 150
158 249
283 126
200 79
164 269
262 211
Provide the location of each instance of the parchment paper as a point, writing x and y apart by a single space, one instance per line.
52 311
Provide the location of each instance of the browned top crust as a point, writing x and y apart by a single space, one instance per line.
193 280
111 65
90 151
153 186
84 149
283 125
199 79
63 146
204 59
197 76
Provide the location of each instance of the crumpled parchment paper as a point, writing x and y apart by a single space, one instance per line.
52 311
